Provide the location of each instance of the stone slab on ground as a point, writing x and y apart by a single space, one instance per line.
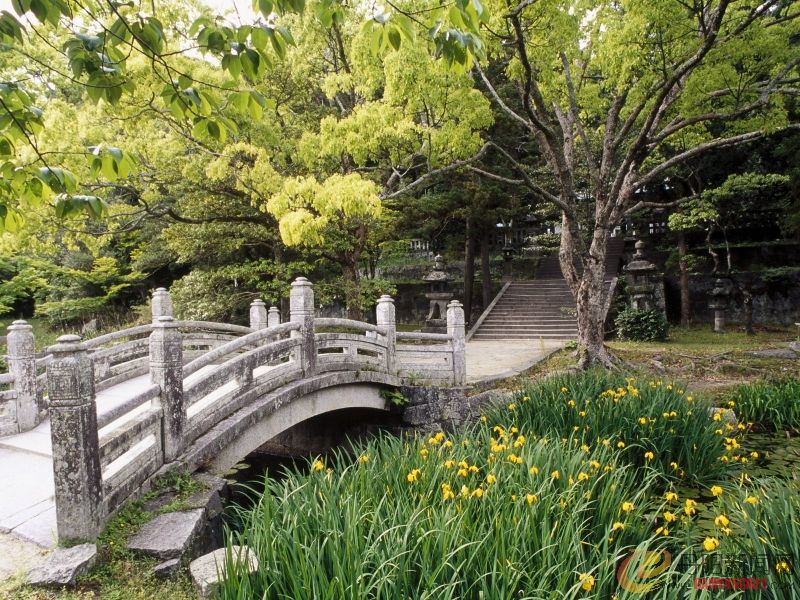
170 535
63 566
209 570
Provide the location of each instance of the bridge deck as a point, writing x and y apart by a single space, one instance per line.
27 507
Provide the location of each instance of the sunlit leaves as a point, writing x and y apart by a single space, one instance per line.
110 163
10 29
19 119
308 211
69 205
249 102
149 34
102 64
45 11
245 50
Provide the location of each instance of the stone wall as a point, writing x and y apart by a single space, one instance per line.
778 304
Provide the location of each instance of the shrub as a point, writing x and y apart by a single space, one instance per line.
602 408
641 325
774 405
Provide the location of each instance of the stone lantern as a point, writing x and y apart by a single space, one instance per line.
641 283
720 296
438 296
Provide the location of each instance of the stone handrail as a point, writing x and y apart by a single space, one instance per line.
236 345
421 335
349 324
106 418
99 460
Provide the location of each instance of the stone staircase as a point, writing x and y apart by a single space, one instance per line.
542 308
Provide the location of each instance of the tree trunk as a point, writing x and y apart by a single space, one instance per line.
352 291
469 270
588 287
486 275
686 308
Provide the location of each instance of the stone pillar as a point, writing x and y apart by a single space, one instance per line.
456 328
73 432
301 310
166 370
161 305
273 317
385 317
22 365
719 303
258 314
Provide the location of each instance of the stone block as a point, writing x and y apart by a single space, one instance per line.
779 353
210 570
167 569
63 566
170 535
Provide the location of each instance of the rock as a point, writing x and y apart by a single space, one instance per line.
207 499
64 566
795 346
209 570
170 535
727 416
167 569
781 353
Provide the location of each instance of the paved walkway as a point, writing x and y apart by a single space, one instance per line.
492 360
27 508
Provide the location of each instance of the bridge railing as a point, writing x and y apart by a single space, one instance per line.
200 374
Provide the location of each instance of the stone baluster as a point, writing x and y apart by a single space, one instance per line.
161 305
456 328
273 317
22 365
258 315
166 370
73 432
301 310
385 317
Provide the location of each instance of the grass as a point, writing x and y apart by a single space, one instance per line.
445 517
701 339
773 405
653 423
519 505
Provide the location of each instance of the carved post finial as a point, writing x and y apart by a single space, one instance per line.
273 317
26 408
161 305
166 370
301 310
457 329
385 317
258 315
76 449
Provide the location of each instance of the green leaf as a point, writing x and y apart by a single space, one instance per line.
394 37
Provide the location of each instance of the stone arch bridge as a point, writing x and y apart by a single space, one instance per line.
128 405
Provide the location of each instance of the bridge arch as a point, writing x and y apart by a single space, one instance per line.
238 436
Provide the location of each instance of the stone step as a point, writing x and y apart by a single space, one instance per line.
529 327
527 321
525 336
